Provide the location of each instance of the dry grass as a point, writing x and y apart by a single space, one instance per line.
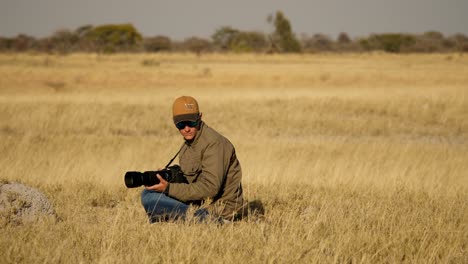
357 158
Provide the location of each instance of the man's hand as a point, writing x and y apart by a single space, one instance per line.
160 187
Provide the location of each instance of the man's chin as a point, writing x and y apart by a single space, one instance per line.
188 138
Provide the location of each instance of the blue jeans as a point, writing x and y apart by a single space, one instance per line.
160 207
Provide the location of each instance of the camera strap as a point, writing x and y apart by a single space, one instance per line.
174 156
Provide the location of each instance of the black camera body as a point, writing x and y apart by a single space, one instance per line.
171 174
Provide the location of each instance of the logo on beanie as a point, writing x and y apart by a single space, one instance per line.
189 105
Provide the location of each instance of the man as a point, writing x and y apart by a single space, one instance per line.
210 167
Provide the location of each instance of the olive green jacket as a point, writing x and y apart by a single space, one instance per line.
211 167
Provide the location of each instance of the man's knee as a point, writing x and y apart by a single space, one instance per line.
148 198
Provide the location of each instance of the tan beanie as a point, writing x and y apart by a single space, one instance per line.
185 108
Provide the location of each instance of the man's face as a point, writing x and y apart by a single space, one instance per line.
189 133
189 129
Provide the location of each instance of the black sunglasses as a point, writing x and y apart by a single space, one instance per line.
183 124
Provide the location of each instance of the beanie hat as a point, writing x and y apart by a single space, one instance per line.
185 108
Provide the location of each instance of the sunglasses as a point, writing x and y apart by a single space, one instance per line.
183 124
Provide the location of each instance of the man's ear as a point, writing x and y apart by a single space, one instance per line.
200 115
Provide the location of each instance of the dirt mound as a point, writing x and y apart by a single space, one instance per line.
21 204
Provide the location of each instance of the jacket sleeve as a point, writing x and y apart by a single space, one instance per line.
213 166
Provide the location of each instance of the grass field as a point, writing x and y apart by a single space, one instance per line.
358 158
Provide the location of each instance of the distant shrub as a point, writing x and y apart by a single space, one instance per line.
343 38
196 45
249 42
317 43
230 39
150 62
431 41
157 44
345 44
23 43
64 41
391 42
460 42
6 44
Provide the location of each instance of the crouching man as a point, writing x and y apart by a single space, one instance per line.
210 167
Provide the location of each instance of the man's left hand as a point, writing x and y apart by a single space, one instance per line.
160 187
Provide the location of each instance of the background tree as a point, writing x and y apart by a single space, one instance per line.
431 41
157 44
343 39
318 42
83 31
460 42
249 41
389 42
111 38
23 43
230 39
223 37
345 44
64 41
84 42
283 36
197 45
6 44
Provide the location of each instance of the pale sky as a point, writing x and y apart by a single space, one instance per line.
179 19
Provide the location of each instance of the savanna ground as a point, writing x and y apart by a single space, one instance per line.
358 158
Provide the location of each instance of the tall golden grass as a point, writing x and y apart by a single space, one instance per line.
358 158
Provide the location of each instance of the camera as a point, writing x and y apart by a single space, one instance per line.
171 174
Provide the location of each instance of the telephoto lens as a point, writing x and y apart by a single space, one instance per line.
135 179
